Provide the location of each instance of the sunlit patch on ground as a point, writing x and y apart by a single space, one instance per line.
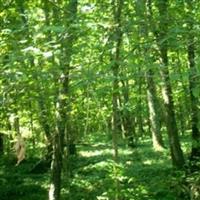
142 174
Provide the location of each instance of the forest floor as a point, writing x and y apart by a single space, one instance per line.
142 174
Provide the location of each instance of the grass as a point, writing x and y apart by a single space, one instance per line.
142 174
17 183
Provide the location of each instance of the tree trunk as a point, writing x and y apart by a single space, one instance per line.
63 101
128 120
1 144
44 122
153 103
16 124
153 112
175 148
115 60
140 119
193 85
55 187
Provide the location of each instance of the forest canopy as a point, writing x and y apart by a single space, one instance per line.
97 95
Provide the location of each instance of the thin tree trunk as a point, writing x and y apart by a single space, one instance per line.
31 129
63 102
193 84
58 139
175 148
184 99
1 144
139 104
16 123
115 59
9 138
153 103
153 112
45 123
128 121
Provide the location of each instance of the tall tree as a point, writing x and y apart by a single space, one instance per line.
115 64
1 144
162 40
153 105
193 83
153 102
67 42
127 116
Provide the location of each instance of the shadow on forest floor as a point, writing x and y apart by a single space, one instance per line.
142 174
18 184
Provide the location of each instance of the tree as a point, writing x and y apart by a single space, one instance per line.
153 101
115 63
116 41
193 83
62 101
1 144
172 130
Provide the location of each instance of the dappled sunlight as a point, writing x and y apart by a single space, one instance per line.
104 151
142 173
99 100
139 172
93 153
148 162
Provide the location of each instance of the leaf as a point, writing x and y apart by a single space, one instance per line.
196 92
54 28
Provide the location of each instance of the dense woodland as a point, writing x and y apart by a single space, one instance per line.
100 99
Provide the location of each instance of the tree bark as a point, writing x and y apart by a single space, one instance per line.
127 119
139 105
172 130
63 101
193 84
1 144
153 112
16 124
152 99
115 61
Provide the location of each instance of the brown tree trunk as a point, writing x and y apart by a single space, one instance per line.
176 152
63 101
153 112
193 85
140 119
115 60
152 99
45 124
175 147
16 123
127 118
1 144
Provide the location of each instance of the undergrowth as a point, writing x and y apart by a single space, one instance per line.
141 174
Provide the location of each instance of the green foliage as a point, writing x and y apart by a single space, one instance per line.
38 46
186 185
139 173
193 181
142 174
17 182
